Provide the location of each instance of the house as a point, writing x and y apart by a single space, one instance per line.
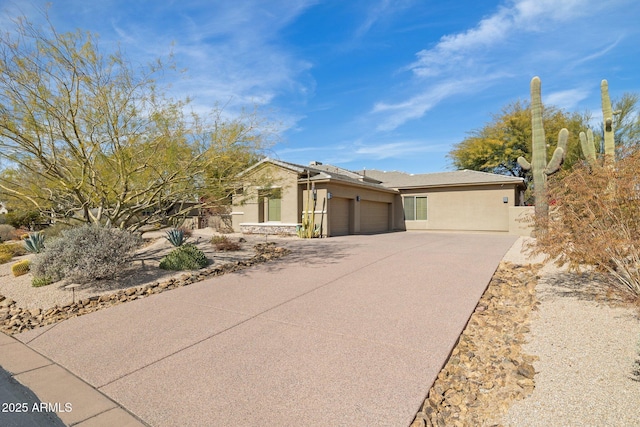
3 209
276 194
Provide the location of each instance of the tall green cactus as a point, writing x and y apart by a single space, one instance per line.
539 165
586 139
607 117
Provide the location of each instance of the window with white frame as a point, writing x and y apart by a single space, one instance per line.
415 208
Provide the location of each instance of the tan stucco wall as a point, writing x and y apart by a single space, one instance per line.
473 208
247 207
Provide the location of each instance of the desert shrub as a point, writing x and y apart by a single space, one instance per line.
55 230
6 232
22 219
20 267
185 257
595 221
85 254
223 243
38 282
5 257
9 250
16 248
186 231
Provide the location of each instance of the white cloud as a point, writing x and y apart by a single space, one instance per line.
567 99
397 149
507 43
394 115
379 11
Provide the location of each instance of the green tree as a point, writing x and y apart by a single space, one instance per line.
89 135
496 146
626 120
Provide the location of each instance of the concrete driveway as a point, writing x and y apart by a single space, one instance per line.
344 331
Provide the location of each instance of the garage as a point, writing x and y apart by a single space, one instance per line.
374 217
339 216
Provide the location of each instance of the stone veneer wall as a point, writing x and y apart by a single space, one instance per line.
277 229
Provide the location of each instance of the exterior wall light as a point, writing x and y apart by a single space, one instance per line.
505 200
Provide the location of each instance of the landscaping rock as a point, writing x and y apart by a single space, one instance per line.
487 369
15 319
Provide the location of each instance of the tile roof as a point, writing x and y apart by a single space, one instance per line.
399 180
390 181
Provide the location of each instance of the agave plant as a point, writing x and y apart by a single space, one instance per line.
34 242
176 237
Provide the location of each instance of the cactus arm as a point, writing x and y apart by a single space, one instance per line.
524 164
588 147
559 153
607 117
555 162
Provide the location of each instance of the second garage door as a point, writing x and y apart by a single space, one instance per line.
374 217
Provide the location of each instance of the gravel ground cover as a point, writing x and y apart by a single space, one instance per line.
144 269
543 348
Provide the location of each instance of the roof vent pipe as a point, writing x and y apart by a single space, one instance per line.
315 163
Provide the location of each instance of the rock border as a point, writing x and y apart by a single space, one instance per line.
487 369
14 319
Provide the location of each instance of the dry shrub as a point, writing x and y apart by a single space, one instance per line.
7 232
84 254
595 221
223 243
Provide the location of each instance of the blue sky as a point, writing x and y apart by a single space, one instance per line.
376 84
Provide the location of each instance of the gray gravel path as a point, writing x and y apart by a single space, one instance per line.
588 353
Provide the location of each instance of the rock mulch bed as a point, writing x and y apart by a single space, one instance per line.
487 370
14 319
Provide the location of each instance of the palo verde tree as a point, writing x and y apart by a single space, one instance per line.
90 136
496 146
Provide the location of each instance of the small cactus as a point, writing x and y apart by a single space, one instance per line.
588 147
176 237
21 267
538 165
34 242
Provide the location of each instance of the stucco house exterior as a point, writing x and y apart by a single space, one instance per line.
276 195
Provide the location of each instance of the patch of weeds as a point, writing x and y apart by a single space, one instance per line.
38 282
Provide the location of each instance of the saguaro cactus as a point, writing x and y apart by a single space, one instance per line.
586 140
607 117
538 164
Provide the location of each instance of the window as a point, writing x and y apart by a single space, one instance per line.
415 208
274 203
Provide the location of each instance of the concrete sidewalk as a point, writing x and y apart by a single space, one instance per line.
345 331
60 397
